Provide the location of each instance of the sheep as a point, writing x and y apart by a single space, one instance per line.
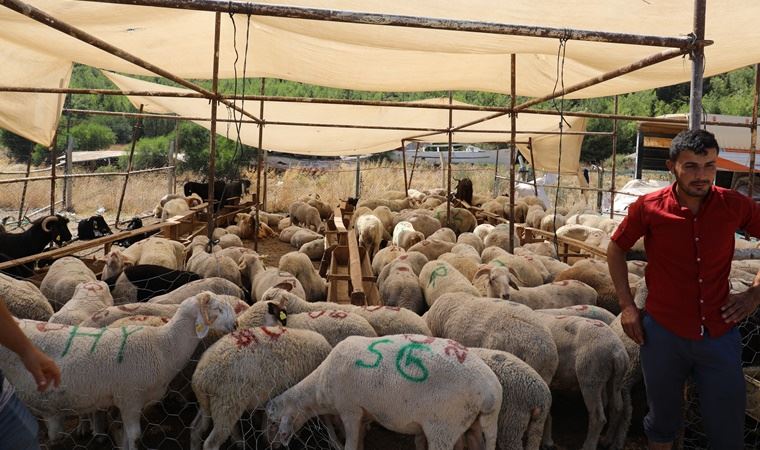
306 215
230 240
177 207
88 299
313 249
531 200
270 219
471 239
521 211
140 320
465 265
145 281
324 209
548 266
262 279
423 223
482 231
431 203
538 248
128 368
444 234
369 230
526 400
284 223
335 325
376 389
23 299
525 271
405 236
494 206
243 357
499 237
595 274
160 205
234 253
462 220
41 232
439 277
218 233
551 222
639 267
491 253
287 234
214 265
496 324
467 251
300 266
432 248
400 286
233 229
535 215
62 278
384 256
587 311
394 205
415 259
302 237
386 217
218 286
593 360
492 282
558 294
154 250
106 316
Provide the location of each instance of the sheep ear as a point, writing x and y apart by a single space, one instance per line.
513 285
202 320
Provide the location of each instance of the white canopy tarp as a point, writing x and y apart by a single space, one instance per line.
335 141
369 57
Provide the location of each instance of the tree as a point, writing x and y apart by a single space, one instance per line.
92 136
19 149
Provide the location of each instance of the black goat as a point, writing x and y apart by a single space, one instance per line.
201 189
134 224
464 190
234 189
151 280
32 241
93 227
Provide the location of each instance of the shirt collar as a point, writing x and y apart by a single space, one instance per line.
675 203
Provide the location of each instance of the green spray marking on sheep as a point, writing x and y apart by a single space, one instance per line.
124 335
406 356
498 263
75 332
371 349
439 271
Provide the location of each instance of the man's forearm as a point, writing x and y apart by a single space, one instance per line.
11 335
619 274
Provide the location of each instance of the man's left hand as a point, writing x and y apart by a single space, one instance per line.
740 306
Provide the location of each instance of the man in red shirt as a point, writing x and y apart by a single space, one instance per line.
688 325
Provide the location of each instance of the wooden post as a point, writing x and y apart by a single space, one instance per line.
496 182
357 178
533 166
513 150
26 183
753 134
135 137
403 160
54 162
68 202
259 162
414 163
169 160
614 160
697 66
212 143
448 185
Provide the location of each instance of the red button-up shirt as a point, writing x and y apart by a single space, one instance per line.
689 256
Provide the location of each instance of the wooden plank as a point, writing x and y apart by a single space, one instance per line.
657 142
355 270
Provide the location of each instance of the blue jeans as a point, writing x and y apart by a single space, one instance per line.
18 427
667 360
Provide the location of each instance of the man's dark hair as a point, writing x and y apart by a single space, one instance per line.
697 141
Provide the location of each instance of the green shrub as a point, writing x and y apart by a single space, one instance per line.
92 136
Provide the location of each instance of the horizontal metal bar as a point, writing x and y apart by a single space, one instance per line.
84 175
332 15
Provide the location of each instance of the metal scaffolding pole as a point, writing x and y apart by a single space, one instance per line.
259 163
135 137
403 160
512 149
448 162
212 142
753 133
614 161
697 66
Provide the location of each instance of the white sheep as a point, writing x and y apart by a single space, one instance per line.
88 299
526 272
482 231
499 237
369 230
304 236
257 364
214 265
314 249
262 279
468 251
462 220
335 325
154 250
230 240
23 299
444 234
62 278
597 275
422 220
473 240
465 265
439 277
106 316
306 215
400 286
496 324
128 367
493 282
379 374
218 286
300 266
432 248
526 400
287 233
385 256
587 311
405 236
557 294
178 206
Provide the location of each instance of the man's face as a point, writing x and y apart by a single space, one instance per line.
694 173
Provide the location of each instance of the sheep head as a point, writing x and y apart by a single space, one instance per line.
212 313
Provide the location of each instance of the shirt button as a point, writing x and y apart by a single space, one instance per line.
695 219
703 318
701 301
696 239
700 280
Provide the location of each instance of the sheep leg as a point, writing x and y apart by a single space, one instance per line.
592 397
225 416
441 436
352 423
489 426
546 440
54 427
620 420
131 419
534 426
198 426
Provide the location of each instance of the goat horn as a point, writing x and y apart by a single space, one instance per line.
47 221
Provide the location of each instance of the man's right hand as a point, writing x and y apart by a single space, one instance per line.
630 318
43 369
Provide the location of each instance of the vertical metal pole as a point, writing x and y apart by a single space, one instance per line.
259 163
533 166
403 160
26 182
173 160
212 143
54 161
135 136
414 162
357 178
613 187
169 160
68 183
697 67
448 185
753 133
513 150
496 183
264 180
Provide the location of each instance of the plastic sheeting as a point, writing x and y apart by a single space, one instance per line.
335 141
370 57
